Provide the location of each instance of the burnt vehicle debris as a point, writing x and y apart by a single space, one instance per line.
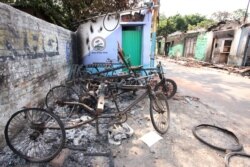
90 102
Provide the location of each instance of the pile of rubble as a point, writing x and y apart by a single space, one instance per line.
190 62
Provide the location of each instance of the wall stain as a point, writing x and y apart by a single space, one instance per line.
87 41
100 30
2 78
91 29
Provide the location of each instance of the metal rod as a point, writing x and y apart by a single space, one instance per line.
246 13
81 104
135 102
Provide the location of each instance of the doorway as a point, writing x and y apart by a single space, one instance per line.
190 44
132 44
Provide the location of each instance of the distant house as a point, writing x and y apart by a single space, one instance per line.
221 46
225 43
240 53
174 44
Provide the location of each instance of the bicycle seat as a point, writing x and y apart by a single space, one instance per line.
136 67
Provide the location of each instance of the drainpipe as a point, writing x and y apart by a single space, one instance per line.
155 7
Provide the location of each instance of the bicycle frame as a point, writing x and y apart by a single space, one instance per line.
78 70
140 98
97 114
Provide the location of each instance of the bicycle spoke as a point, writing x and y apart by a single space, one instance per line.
33 140
159 113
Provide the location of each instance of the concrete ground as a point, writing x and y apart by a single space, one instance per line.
204 96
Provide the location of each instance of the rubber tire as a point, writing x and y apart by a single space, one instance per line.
231 154
118 21
152 98
46 159
56 87
165 88
238 148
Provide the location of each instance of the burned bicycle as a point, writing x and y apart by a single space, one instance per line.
38 135
64 101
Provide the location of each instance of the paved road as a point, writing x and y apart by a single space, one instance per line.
216 88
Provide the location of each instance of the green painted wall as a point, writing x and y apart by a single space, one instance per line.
201 47
176 50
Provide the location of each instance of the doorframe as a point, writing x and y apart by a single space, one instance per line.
245 51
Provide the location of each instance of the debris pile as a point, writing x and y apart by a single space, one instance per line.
191 62
119 132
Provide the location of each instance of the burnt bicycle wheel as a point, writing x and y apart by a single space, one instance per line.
111 21
213 132
169 88
35 134
159 112
59 94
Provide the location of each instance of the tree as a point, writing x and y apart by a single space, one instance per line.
166 26
70 13
237 15
221 16
194 19
178 23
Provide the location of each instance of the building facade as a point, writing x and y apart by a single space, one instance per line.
225 43
99 37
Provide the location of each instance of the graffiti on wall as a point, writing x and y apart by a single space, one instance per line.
22 43
50 44
201 46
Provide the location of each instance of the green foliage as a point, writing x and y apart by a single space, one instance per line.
178 23
194 19
203 24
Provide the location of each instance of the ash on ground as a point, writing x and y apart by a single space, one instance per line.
87 148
